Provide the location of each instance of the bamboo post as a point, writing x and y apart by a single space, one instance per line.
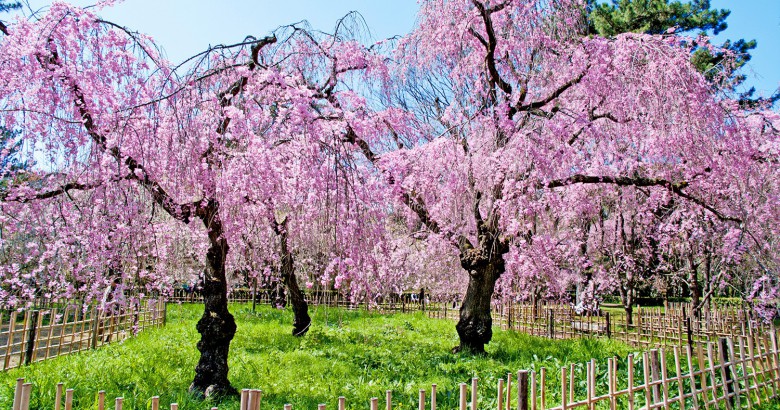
474 390
433 397
664 379
52 320
101 400
508 391
609 326
542 379
571 382
630 365
69 399
374 403
342 403
174 406
58 397
320 406
26 391
463 388
711 368
533 388
244 402
745 371
774 357
646 372
388 400
500 395
18 394
156 403
655 374
563 388
611 383
255 397
9 344
522 390
678 373
420 401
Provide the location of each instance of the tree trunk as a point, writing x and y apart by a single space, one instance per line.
301 319
217 326
475 327
695 286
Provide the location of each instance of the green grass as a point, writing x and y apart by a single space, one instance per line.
358 355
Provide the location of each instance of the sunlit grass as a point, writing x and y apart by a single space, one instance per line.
354 354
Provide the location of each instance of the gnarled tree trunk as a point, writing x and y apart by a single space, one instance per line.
301 319
484 265
217 326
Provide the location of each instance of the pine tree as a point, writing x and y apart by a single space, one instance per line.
658 16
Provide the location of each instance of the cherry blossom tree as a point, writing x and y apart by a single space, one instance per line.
512 122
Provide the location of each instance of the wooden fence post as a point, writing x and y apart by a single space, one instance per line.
462 401
522 390
609 327
31 330
18 394
655 375
474 382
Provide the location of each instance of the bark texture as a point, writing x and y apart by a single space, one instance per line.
301 319
485 264
217 326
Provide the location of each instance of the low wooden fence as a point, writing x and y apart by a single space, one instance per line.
732 373
650 326
36 335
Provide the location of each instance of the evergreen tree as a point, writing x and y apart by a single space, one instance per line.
6 6
608 19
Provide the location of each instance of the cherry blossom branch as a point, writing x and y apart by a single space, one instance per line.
674 187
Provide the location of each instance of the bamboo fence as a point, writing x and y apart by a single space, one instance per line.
650 327
36 335
733 373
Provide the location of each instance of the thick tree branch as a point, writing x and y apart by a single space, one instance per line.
137 172
72 186
490 47
674 187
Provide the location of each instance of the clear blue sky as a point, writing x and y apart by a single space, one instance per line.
184 28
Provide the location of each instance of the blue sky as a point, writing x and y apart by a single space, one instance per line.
184 28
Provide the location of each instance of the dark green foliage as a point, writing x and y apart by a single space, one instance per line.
6 5
654 17
609 19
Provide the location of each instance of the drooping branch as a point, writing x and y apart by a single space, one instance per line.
62 189
674 187
490 47
136 171
411 199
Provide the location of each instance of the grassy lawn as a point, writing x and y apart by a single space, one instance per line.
353 354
